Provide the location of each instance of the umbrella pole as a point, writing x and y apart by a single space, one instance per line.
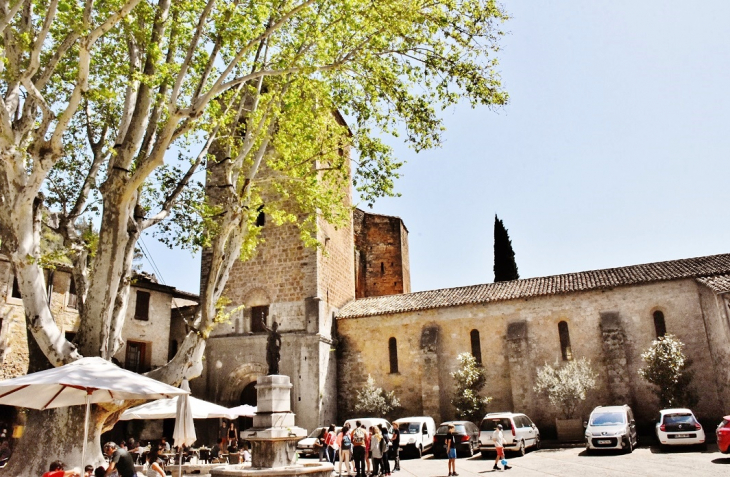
86 432
179 462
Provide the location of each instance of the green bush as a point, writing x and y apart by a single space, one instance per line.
566 386
667 369
469 379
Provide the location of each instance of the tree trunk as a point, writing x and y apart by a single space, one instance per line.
56 434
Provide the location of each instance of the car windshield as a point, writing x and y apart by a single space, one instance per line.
409 427
459 429
316 432
608 419
679 418
489 425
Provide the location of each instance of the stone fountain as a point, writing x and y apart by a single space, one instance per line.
274 435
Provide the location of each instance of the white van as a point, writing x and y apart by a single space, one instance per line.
416 434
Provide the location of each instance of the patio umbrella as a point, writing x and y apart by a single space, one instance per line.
85 381
167 409
243 410
184 433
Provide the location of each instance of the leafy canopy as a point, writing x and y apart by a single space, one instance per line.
469 380
666 368
566 386
373 401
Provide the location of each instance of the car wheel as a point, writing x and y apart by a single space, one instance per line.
419 451
538 444
521 450
629 445
471 449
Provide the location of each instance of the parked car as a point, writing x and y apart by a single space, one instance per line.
416 434
679 427
611 427
305 447
372 421
467 438
519 432
723 435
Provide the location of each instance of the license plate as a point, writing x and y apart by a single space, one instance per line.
681 436
604 442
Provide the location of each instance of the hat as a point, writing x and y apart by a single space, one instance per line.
499 426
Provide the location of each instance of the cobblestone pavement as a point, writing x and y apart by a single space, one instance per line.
644 461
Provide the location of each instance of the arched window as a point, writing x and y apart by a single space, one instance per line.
565 341
659 326
476 346
393 352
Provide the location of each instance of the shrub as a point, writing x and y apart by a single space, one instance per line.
566 386
373 401
667 369
470 379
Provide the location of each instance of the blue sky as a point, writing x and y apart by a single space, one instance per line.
614 149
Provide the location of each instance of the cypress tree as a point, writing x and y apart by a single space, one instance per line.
505 267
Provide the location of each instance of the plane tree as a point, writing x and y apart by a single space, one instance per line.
113 111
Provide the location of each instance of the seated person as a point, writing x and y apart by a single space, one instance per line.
216 451
246 453
164 445
57 470
233 446
5 453
89 471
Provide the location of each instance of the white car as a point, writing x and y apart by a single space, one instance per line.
519 432
372 421
679 427
416 433
306 445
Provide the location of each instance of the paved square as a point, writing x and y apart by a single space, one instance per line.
644 461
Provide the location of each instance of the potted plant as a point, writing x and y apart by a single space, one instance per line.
566 388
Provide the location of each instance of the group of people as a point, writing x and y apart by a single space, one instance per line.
221 454
364 451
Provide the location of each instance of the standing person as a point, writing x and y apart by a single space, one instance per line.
498 438
121 461
345 442
358 449
329 441
368 436
396 447
451 449
385 447
223 433
154 464
232 433
376 439
319 444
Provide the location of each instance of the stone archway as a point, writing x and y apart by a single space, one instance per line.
237 380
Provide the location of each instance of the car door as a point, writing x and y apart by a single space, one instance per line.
632 428
528 430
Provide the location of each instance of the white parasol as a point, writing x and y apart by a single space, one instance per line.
167 409
184 433
85 381
243 410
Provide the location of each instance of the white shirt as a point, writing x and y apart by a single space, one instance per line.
498 438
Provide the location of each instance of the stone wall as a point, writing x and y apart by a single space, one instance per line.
715 307
13 340
610 327
381 244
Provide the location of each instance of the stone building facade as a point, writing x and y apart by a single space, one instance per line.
146 331
609 316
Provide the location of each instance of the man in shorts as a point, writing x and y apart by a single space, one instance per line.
498 438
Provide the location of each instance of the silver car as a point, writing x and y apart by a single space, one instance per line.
611 427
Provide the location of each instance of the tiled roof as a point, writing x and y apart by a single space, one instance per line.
718 284
542 286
